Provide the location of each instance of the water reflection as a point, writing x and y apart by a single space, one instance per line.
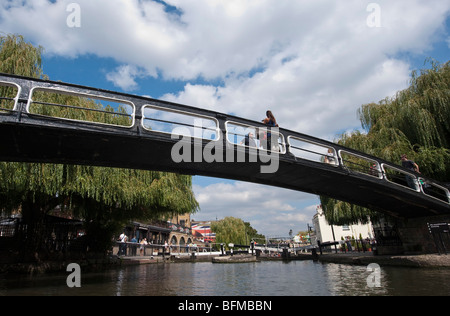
349 280
434 282
272 278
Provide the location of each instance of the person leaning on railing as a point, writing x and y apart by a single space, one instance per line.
143 243
271 122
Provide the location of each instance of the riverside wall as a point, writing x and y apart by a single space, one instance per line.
416 238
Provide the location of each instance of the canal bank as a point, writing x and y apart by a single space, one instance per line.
417 261
361 259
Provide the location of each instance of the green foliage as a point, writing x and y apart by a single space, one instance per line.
252 234
230 230
342 213
105 198
19 57
64 105
415 122
421 112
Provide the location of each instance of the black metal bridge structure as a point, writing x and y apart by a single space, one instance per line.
45 121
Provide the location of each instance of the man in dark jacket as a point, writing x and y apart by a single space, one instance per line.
411 165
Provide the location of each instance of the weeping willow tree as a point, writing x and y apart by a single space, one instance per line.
230 230
416 122
19 57
105 198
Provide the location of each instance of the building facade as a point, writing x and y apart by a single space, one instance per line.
201 230
324 232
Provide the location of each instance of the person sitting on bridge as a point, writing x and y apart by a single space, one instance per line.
249 140
329 158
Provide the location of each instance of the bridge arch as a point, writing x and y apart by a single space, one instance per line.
127 131
182 244
173 241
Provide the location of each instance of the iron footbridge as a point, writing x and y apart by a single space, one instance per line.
54 122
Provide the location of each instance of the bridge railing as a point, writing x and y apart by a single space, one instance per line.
78 106
360 164
236 134
307 149
66 102
9 96
434 190
401 177
175 122
134 249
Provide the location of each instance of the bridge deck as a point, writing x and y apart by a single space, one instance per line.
352 176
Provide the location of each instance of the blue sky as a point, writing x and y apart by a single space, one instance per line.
313 63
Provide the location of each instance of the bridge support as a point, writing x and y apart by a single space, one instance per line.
416 237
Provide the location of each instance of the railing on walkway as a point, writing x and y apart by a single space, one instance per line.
349 245
131 249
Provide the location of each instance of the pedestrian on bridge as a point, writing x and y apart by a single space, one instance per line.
410 165
249 140
271 122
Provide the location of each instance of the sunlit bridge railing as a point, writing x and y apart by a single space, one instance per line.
9 94
434 190
67 105
401 177
309 150
174 122
360 164
254 137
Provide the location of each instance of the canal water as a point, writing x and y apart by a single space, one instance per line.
267 278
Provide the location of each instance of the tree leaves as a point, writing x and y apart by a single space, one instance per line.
19 57
415 122
230 230
105 196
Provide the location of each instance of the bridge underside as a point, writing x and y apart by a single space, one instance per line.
49 143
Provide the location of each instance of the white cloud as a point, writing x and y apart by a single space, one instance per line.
271 211
215 39
316 64
124 77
